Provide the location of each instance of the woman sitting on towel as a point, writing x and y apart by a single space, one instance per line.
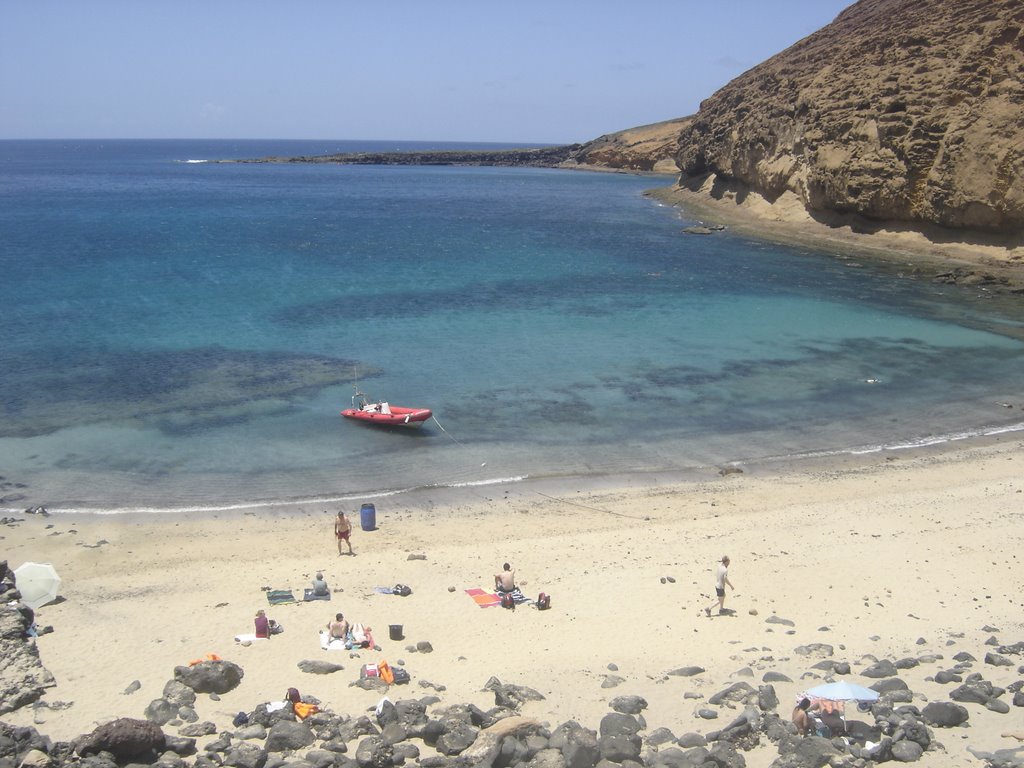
262 624
339 627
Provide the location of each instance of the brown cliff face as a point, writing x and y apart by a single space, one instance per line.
645 148
899 110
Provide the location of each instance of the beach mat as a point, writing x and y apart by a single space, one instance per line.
518 597
279 596
328 643
482 598
308 595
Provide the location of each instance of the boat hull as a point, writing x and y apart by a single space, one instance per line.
398 417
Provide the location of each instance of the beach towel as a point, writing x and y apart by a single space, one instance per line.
329 643
248 638
482 598
519 597
384 590
279 596
308 595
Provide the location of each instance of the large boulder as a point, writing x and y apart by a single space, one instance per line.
287 736
23 678
210 676
125 738
577 744
944 714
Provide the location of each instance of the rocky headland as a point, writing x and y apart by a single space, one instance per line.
895 130
899 111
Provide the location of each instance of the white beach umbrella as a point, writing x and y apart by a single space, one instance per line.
842 691
38 584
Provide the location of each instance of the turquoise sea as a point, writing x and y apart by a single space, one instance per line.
181 335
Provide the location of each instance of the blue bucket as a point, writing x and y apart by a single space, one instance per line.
368 517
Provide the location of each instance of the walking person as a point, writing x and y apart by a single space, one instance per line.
721 579
342 531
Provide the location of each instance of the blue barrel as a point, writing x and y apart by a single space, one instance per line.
368 517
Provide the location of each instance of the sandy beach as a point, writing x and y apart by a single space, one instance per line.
891 555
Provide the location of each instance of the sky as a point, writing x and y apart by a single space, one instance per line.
530 71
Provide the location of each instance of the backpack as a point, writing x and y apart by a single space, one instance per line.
401 676
543 601
401 589
507 600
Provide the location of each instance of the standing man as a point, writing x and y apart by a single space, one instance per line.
342 531
721 579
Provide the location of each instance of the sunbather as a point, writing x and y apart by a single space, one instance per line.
320 587
262 624
506 580
338 628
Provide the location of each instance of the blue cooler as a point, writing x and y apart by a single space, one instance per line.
368 517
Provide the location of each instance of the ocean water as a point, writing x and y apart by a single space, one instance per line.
181 335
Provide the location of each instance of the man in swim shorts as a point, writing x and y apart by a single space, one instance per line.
506 580
721 579
342 531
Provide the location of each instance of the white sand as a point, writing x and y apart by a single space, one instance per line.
898 555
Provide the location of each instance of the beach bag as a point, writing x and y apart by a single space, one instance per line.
385 673
507 601
368 670
543 601
401 676
401 589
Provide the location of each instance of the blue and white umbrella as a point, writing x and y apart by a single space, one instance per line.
842 691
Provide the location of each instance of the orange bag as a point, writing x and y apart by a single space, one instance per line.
384 670
303 710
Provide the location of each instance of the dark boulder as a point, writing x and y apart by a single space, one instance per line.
372 751
629 705
577 744
736 692
179 694
973 692
883 668
125 738
458 736
286 736
944 714
319 667
210 676
906 751
245 755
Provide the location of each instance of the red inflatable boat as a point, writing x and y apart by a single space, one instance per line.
385 414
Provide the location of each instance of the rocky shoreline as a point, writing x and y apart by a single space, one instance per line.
545 157
429 732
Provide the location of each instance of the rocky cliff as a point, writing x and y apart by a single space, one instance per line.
899 110
645 148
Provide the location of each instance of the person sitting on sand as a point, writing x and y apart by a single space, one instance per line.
338 628
506 580
320 586
801 719
262 624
